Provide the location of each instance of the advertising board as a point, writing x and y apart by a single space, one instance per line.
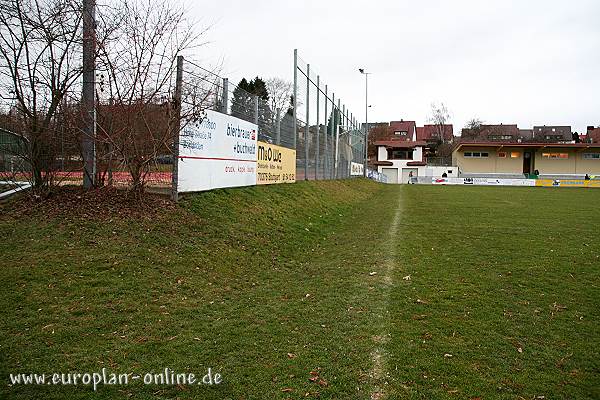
275 164
218 152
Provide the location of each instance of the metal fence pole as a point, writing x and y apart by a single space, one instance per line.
176 129
295 123
337 142
318 131
225 104
326 132
88 98
307 127
332 132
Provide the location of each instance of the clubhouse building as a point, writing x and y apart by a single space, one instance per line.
514 158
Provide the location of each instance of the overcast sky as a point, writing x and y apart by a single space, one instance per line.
528 62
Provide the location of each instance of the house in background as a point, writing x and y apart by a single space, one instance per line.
493 133
436 133
593 134
400 159
556 134
403 130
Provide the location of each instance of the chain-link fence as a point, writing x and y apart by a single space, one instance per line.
330 141
327 137
134 140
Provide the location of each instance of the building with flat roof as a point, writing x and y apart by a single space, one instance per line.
527 157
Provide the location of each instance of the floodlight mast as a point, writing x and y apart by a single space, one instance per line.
366 74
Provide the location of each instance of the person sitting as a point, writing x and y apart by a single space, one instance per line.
587 177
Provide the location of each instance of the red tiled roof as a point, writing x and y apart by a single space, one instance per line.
420 133
594 134
431 131
406 126
404 144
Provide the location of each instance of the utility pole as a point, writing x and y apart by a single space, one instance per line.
366 74
88 98
176 128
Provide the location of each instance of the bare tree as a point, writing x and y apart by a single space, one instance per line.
40 53
439 117
41 62
280 94
472 128
137 114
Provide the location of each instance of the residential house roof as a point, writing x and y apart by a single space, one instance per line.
493 132
409 127
429 132
594 134
552 133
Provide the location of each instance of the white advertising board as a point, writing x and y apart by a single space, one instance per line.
356 169
482 181
219 152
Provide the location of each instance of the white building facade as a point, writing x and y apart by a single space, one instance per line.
401 160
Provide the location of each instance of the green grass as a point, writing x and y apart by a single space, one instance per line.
268 284
497 270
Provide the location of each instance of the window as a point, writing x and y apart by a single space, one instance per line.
555 155
591 156
501 154
400 154
515 154
476 154
401 133
500 137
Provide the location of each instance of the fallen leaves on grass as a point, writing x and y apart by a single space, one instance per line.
103 204
316 378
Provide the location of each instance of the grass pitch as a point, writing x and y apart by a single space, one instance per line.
305 291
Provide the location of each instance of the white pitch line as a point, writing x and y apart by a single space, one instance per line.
378 372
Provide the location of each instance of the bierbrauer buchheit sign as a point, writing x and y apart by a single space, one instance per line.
223 151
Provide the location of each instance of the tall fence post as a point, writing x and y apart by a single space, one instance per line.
344 123
307 127
225 106
326 132
88 98
176 128
337 142
318 141
295 105
332 132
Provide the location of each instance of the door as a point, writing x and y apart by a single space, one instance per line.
527 162
391 174
406 174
